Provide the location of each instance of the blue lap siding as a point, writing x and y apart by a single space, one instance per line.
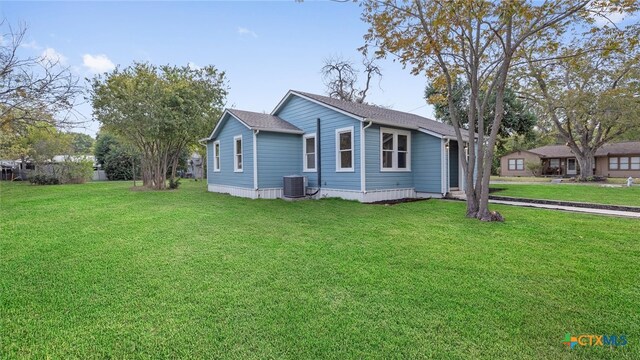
278 155
227 175
304 114
426 162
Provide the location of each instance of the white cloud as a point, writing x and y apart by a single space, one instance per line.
52 56
244 31
31 45
193 66
97 63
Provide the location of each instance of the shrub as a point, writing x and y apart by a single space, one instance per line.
76 172
534 166
117 164
44 179
173 184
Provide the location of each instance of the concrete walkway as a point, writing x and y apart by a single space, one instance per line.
459 195
629 214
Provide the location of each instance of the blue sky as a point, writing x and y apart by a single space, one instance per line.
265 48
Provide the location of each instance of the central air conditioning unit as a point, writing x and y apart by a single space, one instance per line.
294 186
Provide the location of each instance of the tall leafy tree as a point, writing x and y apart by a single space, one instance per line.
478 40
160 110
591 97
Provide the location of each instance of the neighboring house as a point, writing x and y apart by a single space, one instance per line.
611 160
347 150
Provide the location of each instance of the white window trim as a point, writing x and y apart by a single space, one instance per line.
305 168
394 160
353 150
235 154
215 154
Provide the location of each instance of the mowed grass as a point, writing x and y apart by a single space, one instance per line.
99 271
596 194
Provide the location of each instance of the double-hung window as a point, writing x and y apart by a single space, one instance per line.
237 153
344 149
635 163
309 153
395 150
516 164
216 155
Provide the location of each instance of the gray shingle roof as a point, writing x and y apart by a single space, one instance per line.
266 122
621 148
383 115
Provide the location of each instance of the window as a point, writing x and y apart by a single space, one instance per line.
394 150
635 163
216 156
516 164
624 163
237 146
309 153
554 163
613 163
344 149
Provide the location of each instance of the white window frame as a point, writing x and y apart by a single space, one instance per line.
235 153
305 167
216 156
634 163
394 157
349 129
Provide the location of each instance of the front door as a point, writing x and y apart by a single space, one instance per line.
571 166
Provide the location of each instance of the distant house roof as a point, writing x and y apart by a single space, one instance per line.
257 121
377 114
559 151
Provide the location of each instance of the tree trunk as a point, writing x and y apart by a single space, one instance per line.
586 166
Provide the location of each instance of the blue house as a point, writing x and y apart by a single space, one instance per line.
344 149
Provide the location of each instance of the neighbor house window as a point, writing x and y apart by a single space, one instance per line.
635 163
344 149
554 163
624 163
516 164
216 156
309 146
237 151
394 150
613 163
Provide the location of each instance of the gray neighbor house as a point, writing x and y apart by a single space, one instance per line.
341 149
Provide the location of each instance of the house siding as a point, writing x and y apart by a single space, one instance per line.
279 155
426 162
377 179
226 175
528 158
304 114
602 168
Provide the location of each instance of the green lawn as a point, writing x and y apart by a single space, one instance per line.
573 192
99 271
